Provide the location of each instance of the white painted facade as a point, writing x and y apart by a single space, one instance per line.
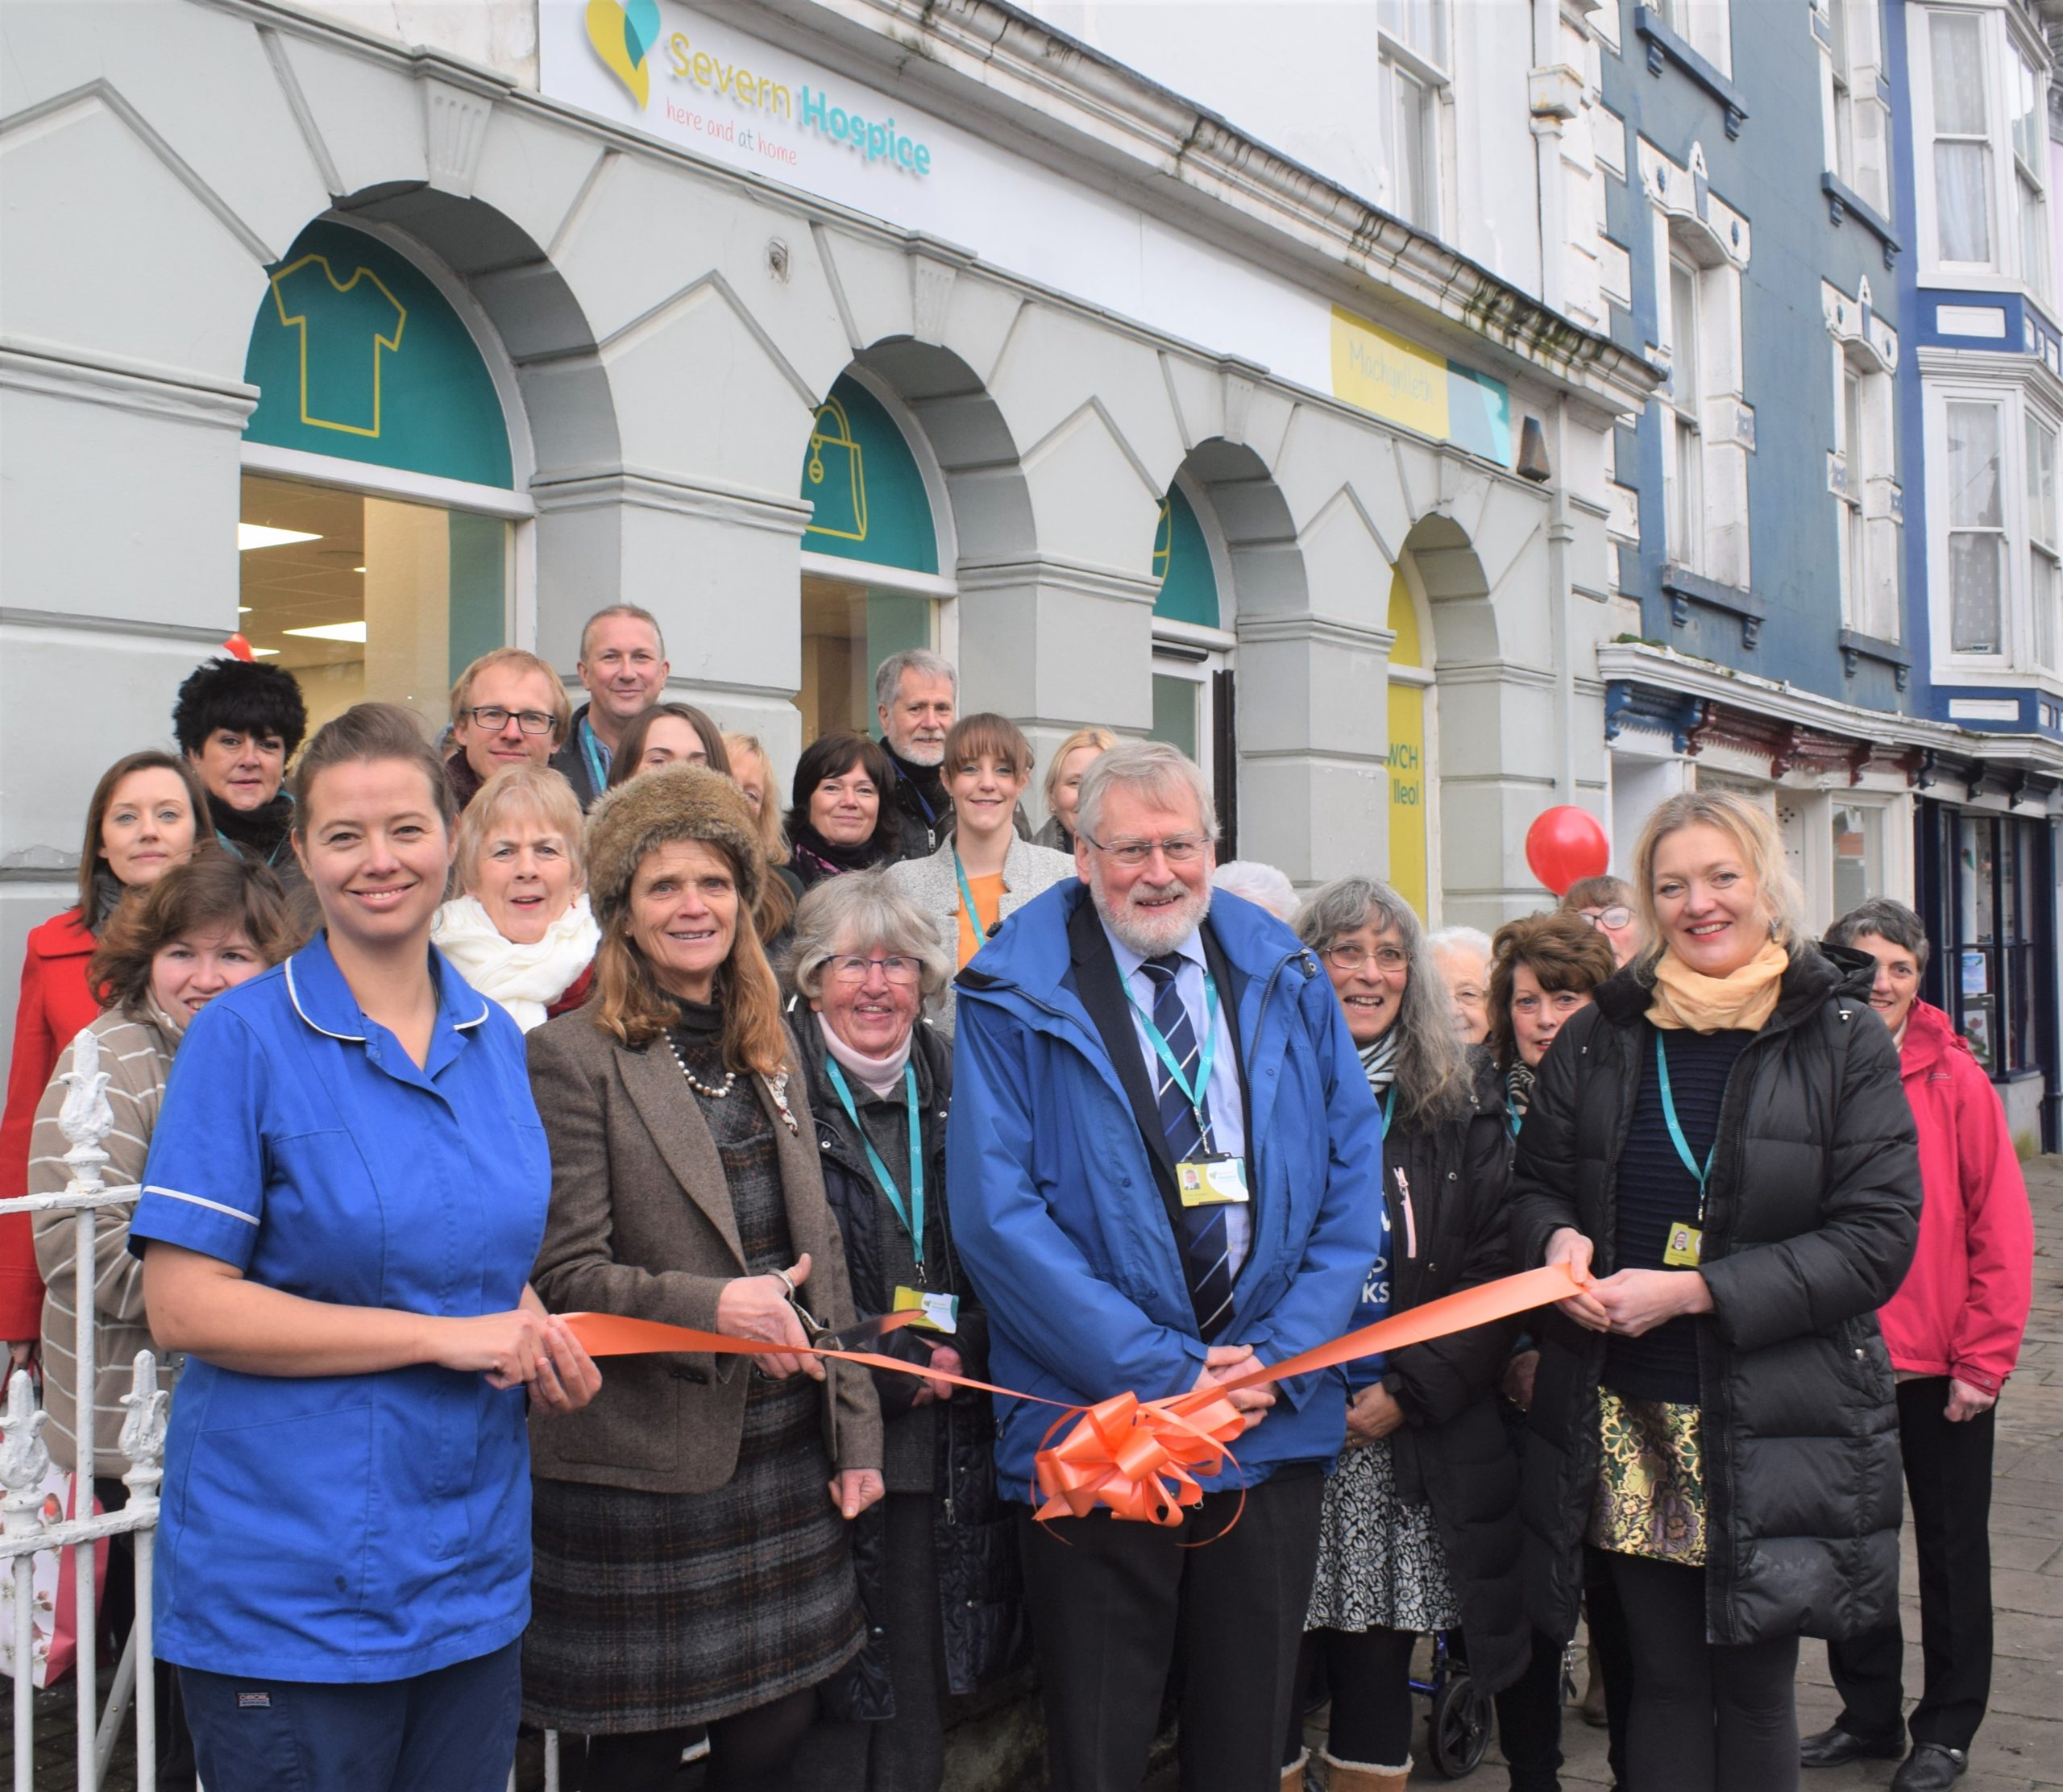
661 323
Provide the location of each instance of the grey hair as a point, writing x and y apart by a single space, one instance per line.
1887 919
1150 768
627 610
1432 1064
862 911
888 675
1474 938
1259 883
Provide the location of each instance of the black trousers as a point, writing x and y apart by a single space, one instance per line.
1707 1717
1607 1621
1115 1608
1948 1480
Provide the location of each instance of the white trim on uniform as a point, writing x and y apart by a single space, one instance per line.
201 1201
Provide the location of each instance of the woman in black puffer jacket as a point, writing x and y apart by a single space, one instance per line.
937 1558
1723 1139
1420 1530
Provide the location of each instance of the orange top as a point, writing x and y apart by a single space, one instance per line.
988 904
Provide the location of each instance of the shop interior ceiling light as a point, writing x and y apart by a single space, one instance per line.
331 630
257 535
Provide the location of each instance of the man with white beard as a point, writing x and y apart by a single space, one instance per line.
1165 1167
916 698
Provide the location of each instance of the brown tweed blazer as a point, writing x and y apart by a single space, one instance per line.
640 1224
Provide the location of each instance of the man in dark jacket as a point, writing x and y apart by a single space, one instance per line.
623 668
916 695
1122 1039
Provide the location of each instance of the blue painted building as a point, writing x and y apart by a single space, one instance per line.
1981 404
1771 520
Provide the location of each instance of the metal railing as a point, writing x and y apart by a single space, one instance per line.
25 1464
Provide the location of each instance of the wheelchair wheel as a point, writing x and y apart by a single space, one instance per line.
1457 1729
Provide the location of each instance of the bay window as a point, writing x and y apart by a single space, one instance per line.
1962 143
2043 583
1977 529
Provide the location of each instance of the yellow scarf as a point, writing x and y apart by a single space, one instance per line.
1744 1000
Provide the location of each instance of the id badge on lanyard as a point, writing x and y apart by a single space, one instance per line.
1685 1246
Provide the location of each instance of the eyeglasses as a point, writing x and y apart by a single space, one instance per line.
494 718
1183 849
849 968
1350 959
1616 917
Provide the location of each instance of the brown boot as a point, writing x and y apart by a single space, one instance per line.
1360 1776
1293 1775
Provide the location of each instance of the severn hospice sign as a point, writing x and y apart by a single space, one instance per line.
706 88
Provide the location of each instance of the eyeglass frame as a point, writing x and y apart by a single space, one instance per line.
478 713
827 968
1403 958
1603 917
1192 848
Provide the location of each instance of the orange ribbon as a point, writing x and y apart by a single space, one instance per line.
1142 1459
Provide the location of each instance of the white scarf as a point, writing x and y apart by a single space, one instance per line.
526 980
881 1075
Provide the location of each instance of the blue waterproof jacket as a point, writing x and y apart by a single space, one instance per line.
1061 1224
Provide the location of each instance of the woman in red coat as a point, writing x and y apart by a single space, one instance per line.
140 824
1953 1331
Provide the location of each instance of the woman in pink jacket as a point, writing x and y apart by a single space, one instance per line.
1953 1331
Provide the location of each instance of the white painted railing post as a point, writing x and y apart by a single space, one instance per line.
85 1118
142 1442
24 1464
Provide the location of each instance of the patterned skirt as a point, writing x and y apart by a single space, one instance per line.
1381 1564
649 1611
1650 1498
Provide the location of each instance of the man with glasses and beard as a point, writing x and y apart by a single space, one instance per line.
1172 1167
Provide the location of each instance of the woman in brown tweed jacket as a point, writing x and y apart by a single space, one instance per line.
691 1563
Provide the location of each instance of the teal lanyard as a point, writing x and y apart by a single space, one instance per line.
1511 1120
1194 1094
1389 1109
597 756
967 900
913 1217
1676 1131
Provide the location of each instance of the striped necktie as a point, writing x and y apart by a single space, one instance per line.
1206 1253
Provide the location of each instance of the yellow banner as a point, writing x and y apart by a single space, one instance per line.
1388 376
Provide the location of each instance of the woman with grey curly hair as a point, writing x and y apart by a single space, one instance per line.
1420 1530
864 960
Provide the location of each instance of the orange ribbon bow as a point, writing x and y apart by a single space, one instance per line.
1142 1459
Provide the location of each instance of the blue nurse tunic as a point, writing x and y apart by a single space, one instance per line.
363 1528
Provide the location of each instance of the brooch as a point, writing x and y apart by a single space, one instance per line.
778 1087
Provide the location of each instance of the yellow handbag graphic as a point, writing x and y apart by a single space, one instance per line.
835 476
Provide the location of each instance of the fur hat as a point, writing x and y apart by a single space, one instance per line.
654 809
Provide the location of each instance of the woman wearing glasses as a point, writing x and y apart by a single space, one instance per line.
1421 1528
1607 904
983 873
936 1559
508 709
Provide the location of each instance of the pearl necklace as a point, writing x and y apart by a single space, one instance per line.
696 1084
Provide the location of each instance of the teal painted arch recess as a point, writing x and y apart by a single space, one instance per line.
867 493
357 355
1181 558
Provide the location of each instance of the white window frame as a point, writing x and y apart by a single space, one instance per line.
1416 39
1687 536
2044 544
2019 642
1866 469
1707 25
1858 120
2016 215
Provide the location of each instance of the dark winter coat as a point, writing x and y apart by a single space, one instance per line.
979 1596
1810 1221
1453 1451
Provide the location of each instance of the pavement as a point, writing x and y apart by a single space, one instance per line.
2020 1748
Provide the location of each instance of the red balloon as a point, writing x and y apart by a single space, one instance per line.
238 645
1564 846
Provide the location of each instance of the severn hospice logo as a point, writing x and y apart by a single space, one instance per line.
623 36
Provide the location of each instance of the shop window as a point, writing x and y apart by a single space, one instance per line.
1858 120
1995 965
1961 139
1415 81
366 597
1977 529
1858 854
870 556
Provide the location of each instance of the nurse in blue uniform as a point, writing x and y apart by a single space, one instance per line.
345 1193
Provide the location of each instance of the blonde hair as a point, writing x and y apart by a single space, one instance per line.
773 837
1100 738
514 657
536 793
1753 830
